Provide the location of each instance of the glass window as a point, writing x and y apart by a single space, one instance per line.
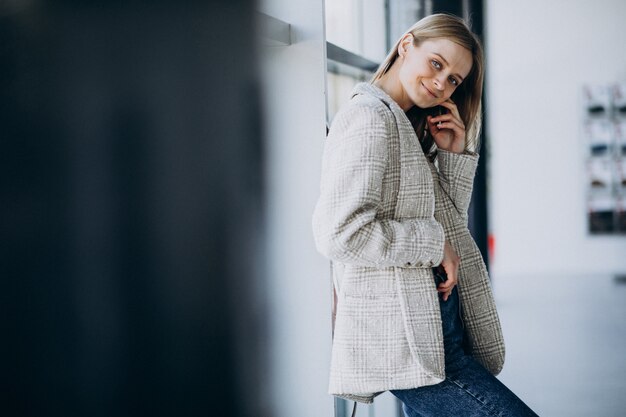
366 28
358 26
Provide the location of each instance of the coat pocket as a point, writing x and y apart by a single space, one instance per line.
369 336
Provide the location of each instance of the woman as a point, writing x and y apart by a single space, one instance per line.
397 177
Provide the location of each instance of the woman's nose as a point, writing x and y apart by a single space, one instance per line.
438 82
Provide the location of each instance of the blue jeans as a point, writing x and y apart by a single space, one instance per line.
469 390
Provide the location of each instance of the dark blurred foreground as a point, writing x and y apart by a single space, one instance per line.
130 209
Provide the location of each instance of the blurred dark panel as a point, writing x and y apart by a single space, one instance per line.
479 208
131 188
448 6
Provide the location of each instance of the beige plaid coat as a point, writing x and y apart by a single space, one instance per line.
382 217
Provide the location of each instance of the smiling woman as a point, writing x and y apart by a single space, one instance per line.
450 58
426 78
393 214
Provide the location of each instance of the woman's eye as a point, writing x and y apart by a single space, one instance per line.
454 81
436 64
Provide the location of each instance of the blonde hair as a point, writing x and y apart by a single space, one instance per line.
467 96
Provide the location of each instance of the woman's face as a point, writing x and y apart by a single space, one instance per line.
431 71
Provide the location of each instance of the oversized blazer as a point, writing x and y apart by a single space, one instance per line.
382 217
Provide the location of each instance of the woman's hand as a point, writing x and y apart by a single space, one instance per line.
448 130
450 263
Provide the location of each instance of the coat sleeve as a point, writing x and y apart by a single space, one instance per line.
456 178
346 227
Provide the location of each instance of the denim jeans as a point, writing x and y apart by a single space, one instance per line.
469 390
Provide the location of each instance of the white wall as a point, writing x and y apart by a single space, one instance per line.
539 54
299 288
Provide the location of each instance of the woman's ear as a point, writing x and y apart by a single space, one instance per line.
405 43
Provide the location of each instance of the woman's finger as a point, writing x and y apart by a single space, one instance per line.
432 127
451 272
449 104
446 286
448 117
450 125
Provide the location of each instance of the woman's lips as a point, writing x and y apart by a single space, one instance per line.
429 92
